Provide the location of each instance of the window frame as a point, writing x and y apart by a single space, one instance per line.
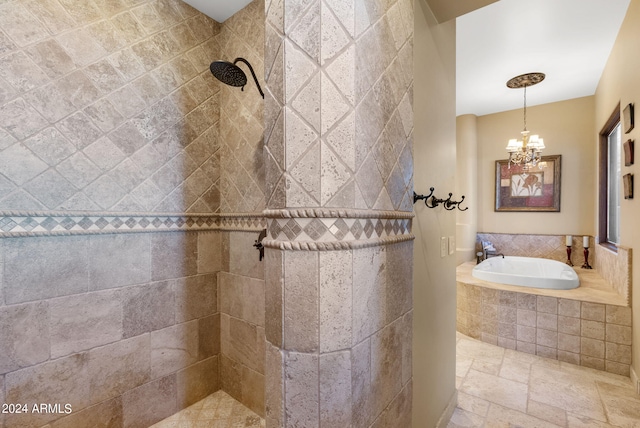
603 179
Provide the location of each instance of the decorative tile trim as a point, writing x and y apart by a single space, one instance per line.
20 224
334 246
335 213
328 230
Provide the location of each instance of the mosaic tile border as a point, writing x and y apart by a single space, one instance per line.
311 233
76 223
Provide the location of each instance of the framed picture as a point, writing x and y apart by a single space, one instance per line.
628 153
627 181
627 116
533 189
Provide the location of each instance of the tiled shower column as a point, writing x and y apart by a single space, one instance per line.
339 168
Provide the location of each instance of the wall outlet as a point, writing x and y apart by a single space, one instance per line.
452 245
443 246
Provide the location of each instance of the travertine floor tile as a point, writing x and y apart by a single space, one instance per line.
515 370
567 391
502 417
219 410
622 408
506 392
463 419
529 391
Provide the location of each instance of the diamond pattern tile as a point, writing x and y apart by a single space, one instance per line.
87 92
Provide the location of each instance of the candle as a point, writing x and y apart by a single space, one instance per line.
585 241
569 240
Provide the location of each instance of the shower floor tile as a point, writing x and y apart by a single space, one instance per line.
219 410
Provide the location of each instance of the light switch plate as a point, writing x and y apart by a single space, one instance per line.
452 245
443 246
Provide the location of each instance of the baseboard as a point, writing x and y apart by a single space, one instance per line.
448 411
635 380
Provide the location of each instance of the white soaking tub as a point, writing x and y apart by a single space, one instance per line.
527 272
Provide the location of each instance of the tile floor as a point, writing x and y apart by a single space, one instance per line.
497 388
219 410
504 388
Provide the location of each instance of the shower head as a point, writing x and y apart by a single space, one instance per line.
232 75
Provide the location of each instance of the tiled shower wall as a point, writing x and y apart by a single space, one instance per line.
109 108
122 327
241 188
339 167
242 114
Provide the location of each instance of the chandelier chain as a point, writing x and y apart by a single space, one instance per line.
525 107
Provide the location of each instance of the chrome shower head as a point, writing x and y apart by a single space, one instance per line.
230 74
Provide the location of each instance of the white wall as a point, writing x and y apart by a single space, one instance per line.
620 83
434 347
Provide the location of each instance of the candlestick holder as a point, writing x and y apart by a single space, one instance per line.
569 262
586 264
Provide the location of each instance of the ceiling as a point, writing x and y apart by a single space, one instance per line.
445 10
219 10
568 40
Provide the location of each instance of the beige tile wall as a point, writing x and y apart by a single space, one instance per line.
140 344
241 189
242 114
338 134
242 312
107 106
110 106
589 334
615 268
542 246
348 104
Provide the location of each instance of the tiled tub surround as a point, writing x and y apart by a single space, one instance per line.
588 326
542 246
614 268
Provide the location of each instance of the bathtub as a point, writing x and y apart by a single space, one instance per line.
527 272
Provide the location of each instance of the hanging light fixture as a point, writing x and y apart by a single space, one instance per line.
527 151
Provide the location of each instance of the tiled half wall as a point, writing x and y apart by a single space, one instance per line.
589 334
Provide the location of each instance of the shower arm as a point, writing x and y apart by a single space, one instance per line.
252 73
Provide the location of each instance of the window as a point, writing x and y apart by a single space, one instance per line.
609 186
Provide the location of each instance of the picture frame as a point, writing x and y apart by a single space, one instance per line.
628 152
536 189
627 181
628 119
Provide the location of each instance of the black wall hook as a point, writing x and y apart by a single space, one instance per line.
258 243
431 201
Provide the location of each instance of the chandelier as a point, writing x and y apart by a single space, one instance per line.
527 151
